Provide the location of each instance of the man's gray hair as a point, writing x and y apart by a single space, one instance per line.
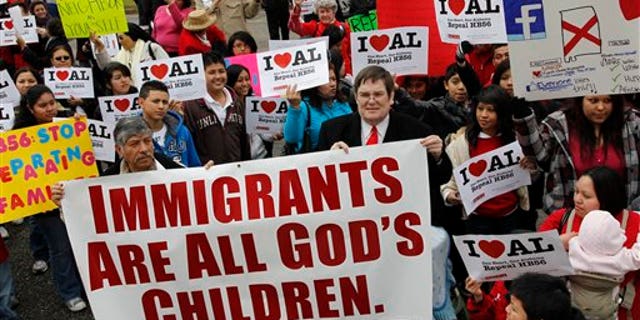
130 126
331 4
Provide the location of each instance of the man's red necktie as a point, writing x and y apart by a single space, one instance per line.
373 136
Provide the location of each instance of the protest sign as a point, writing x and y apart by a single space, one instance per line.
490 174
104 147
281 44
7 117
363 22
473 21
255 238
307 66
35 158
9 94
393 13
81 17
114 108
573 48
9 28
505 257
265 115
400 50
248 61
69 82
15 13
184 76
111 45
307 7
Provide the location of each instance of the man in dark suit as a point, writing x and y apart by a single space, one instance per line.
375 123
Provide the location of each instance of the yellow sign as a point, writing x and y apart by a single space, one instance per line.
34 158
81 17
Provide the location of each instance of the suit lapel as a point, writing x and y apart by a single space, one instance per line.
354 136
392 130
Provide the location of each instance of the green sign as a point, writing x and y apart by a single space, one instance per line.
364 22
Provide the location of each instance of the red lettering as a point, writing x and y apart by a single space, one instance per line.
258 193
325 298
215 297
159 262
226 208
171 207
414 245
364 233
151 308
98 255
235 304
330 238
297 294
353 170
132 211
200 195
291 193
324 188
294 256
88 158
5 174
97 207
251 254
197 245
132 261
226 252
189 309
261 293
379 169
357 295
35 196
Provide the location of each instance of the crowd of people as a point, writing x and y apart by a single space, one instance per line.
583 153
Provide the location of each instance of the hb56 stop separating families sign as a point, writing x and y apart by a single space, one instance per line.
334 236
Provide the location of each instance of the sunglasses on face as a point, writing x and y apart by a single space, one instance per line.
62 58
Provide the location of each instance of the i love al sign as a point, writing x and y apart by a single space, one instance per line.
183 75
472 20
306 65
114 108
504 257
400 50
68 82
9 94
493 173
8 30
265 115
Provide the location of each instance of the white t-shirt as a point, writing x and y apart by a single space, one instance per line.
158 136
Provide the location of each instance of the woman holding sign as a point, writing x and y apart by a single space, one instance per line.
490 129
38 106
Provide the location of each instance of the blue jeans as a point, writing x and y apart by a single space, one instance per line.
37 241
63 265
6 291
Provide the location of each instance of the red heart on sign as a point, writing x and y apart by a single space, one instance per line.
630 9
121 104
379 42
537 73
8 24
493 249
477 168
282 60
456 6
62 75
268 106
159 70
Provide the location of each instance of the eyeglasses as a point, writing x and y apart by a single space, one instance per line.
62 58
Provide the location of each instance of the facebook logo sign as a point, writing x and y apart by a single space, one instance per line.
524 19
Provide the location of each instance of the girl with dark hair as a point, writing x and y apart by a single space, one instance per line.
26 78
490 128
167 24
38 106
118 80
137 46
309 109
601 188
240 43
39 9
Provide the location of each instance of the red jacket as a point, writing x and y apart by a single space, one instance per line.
493 305
4 253
189 43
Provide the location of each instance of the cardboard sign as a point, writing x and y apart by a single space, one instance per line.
505 257
400 50
9 94
9 28
393 13
572 48
114 108
183 75
35 158
265 115
246 239
306 65
493 173
7 117
81 17
111 45
281 44
363 22
248 61
471 20
68 82
104 147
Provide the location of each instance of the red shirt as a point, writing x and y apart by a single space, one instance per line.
613 158
500 205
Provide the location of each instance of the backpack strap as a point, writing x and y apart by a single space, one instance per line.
625 219
151 53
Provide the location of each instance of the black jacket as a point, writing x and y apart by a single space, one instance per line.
165 161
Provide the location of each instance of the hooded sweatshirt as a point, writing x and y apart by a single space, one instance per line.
599 247
178 143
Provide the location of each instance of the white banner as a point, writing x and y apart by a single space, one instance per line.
9 94
474 21
399 50
7 117
490 174
505 257
573 48
9 27
183 75
282 44
252 239
111 45
114 108
265 115
306 65
68 82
